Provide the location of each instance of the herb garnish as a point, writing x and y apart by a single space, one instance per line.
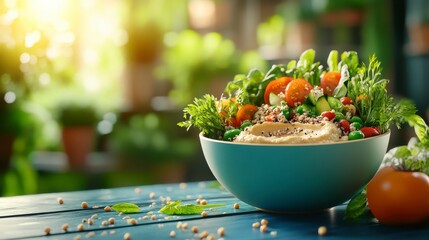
126 208
175 208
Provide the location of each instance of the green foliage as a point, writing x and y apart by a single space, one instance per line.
77 115
150 136
126 208
188 209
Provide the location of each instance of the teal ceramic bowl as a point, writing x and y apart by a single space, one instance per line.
294 178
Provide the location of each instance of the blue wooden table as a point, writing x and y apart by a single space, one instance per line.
28 217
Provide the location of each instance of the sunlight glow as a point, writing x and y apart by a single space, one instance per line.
48 10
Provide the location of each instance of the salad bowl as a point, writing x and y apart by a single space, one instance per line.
294 178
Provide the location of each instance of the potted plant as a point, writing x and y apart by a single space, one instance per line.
77 132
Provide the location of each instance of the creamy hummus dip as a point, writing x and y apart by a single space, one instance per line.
291 133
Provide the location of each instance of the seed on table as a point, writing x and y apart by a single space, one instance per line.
104 223
65 227
185 226
273 233
264 222
112 220
153 217
132 221
146 217
179 225
172 234
84 205
94 216
137 190
80 227
198 201
60 200
47 230
84 220
107 209
203 202
152 195
210 237
221 231
127 236
322 230
203 234
90 221
183 185
236 206
194 229
263 228
204 214
256 225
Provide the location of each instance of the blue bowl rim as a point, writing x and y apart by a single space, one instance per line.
286 144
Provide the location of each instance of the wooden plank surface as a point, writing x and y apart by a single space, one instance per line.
25 217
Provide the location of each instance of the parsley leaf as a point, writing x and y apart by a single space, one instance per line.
126 208
175 208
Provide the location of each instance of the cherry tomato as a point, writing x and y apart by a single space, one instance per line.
233 122
246 112
345 125
328 114
297 92
398 197
369 131
329 82
276 86
346 100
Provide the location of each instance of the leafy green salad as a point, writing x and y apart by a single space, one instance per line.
346 91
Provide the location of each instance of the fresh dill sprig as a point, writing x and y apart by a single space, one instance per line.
203 114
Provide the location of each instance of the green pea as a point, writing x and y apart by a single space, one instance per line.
231 134
305 108
356 119
356 125
354 135
286 113
339 116
245 125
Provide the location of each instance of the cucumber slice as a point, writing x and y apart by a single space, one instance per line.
335 104
314 95
322 105
274 99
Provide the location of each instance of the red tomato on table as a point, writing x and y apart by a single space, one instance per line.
399 197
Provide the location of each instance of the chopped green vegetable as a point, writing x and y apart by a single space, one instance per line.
357 206
188 209
126 208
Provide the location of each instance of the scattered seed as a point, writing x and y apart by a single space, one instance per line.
263 228
203 234
185 226
236 206
198 201
80 227
104 223
179 225
153 217
112 220
94 216
90 221
146 217
203 202
127 236
107 209
256 225
60 200
273 233
95 207
150 213
132 221
84 220
90 234
172 234
78 237
322 230
204 214
65 227
194 229
183 185
47 230
264 222
84 205
137 190
221 231
152 195
210 237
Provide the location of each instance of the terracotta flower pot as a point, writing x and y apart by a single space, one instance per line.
77 144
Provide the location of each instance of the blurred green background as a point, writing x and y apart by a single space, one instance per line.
114 76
